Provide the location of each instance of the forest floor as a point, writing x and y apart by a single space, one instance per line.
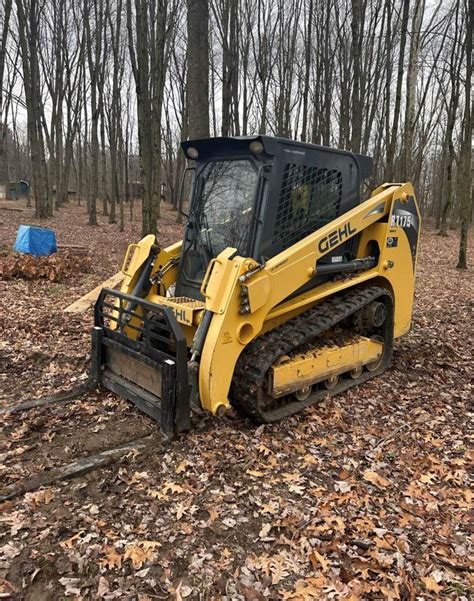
364 496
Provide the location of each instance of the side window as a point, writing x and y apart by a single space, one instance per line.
309 198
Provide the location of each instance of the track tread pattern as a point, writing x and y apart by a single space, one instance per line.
261 353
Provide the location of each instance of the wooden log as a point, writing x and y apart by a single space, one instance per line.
16 209
76 248
83 303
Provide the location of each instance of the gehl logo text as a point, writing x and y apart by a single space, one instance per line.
336 237
180 314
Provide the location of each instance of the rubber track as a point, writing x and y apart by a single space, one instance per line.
261 353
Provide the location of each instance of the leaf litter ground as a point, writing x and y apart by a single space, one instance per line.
364 496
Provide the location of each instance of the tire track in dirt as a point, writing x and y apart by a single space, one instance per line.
44 439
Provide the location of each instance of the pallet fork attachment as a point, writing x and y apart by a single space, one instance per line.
139 352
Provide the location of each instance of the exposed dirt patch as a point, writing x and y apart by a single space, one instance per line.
64 433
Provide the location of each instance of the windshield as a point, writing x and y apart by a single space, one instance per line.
224 209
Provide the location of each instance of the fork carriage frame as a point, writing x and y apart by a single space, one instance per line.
132 335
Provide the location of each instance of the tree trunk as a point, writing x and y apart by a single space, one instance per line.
149 53
412 77
307 71
465 174
198 69
391 143
28 21
5 26
356 31
94 51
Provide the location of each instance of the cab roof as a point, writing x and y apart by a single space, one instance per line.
233 146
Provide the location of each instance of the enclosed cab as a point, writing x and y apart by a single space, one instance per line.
260 195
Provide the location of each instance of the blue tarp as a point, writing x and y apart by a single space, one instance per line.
38 241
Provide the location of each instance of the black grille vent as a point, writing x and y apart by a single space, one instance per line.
309 198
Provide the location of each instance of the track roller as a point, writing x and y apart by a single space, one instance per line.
331 382
356 372
303 393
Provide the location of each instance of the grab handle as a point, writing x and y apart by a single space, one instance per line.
127 259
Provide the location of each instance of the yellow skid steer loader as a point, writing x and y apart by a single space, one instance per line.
286 287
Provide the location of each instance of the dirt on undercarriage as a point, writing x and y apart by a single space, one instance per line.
364 496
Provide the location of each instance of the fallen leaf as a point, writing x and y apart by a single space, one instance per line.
306 590
71 585
103 587
271 508
427 478
334 521
376 479
318 560
309 460
40 497
172 487
180 510
140 552
213 515
296 488
431 584
183 591
291 477
9 550
112 558
69 543
263 449
342 486
182 467
265 530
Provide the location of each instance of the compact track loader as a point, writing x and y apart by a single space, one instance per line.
286 287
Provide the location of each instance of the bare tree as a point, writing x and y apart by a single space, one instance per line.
198 68
93 13
451 100
29 16
114 107
149 27
4 26
392 139
465 170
